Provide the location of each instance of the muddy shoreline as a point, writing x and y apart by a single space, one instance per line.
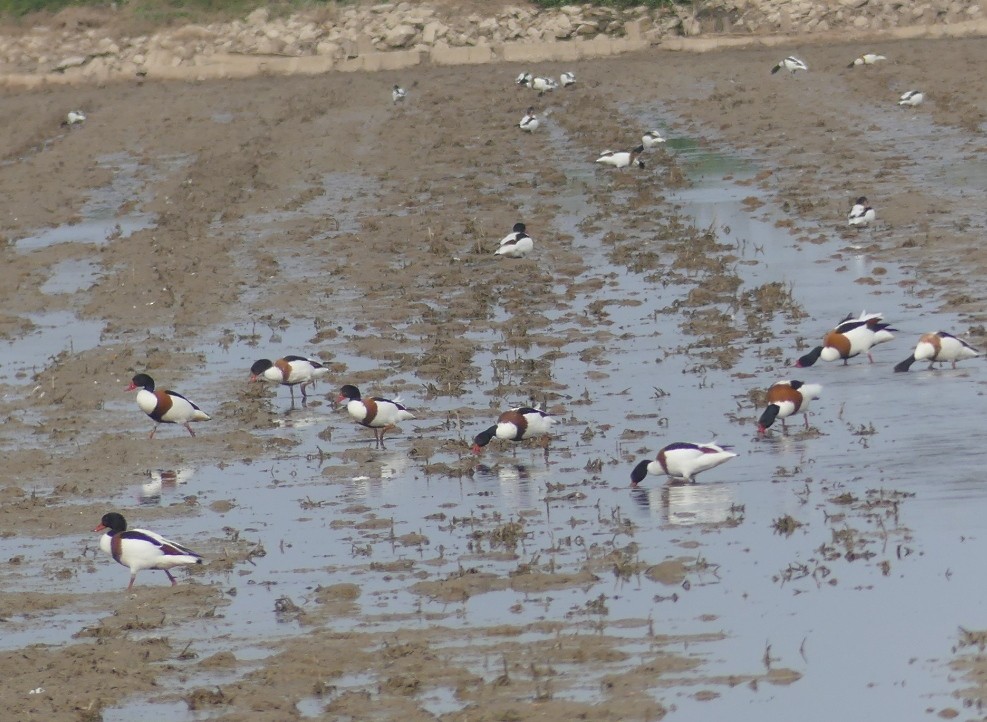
312 215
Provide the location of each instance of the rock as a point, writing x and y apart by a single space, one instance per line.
400 36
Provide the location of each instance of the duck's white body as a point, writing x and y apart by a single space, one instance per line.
398 94
541 84
861 214
167 407
682 461
786 398
567 79
532 423
375 413
516 424
289 371
791 64
516 244
621 158
141 549
530 121
516 248
651 139
851 337
939 347
74 117
911 98
293 370
867 59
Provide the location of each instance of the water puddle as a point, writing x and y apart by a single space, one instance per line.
111 211
51 333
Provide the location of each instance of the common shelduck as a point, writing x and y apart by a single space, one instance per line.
911 98
651 139
851 337
939 346
785 399
622 158
567 79
375 413
861 213
791 64
516 424
866 59
516 244
682 461
165 407
530 121
289 371
398 94
141 549
74 117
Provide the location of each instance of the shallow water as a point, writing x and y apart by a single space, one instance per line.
851 626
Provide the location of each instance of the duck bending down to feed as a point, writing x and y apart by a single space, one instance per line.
787 398
398 94
376 413
141 549
516 244
289 371
682 460
791 64
851 337
522 422
622 158
165 407
866 59
938 347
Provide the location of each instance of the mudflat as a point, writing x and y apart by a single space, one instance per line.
182 220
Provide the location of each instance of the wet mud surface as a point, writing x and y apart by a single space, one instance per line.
189 230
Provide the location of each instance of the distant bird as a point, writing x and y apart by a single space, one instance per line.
651 139
567 79
622 158
398 94
141 549
940 346
289 371
787 398
852 336
682 461
861 213
165 407
516 244
866 59
911 98
377 414
542 85
530 121
75 117
516 424
791 64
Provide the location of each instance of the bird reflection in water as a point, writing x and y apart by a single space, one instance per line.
690 504
160 480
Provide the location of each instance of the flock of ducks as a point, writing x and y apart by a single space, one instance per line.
139 549
793 65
